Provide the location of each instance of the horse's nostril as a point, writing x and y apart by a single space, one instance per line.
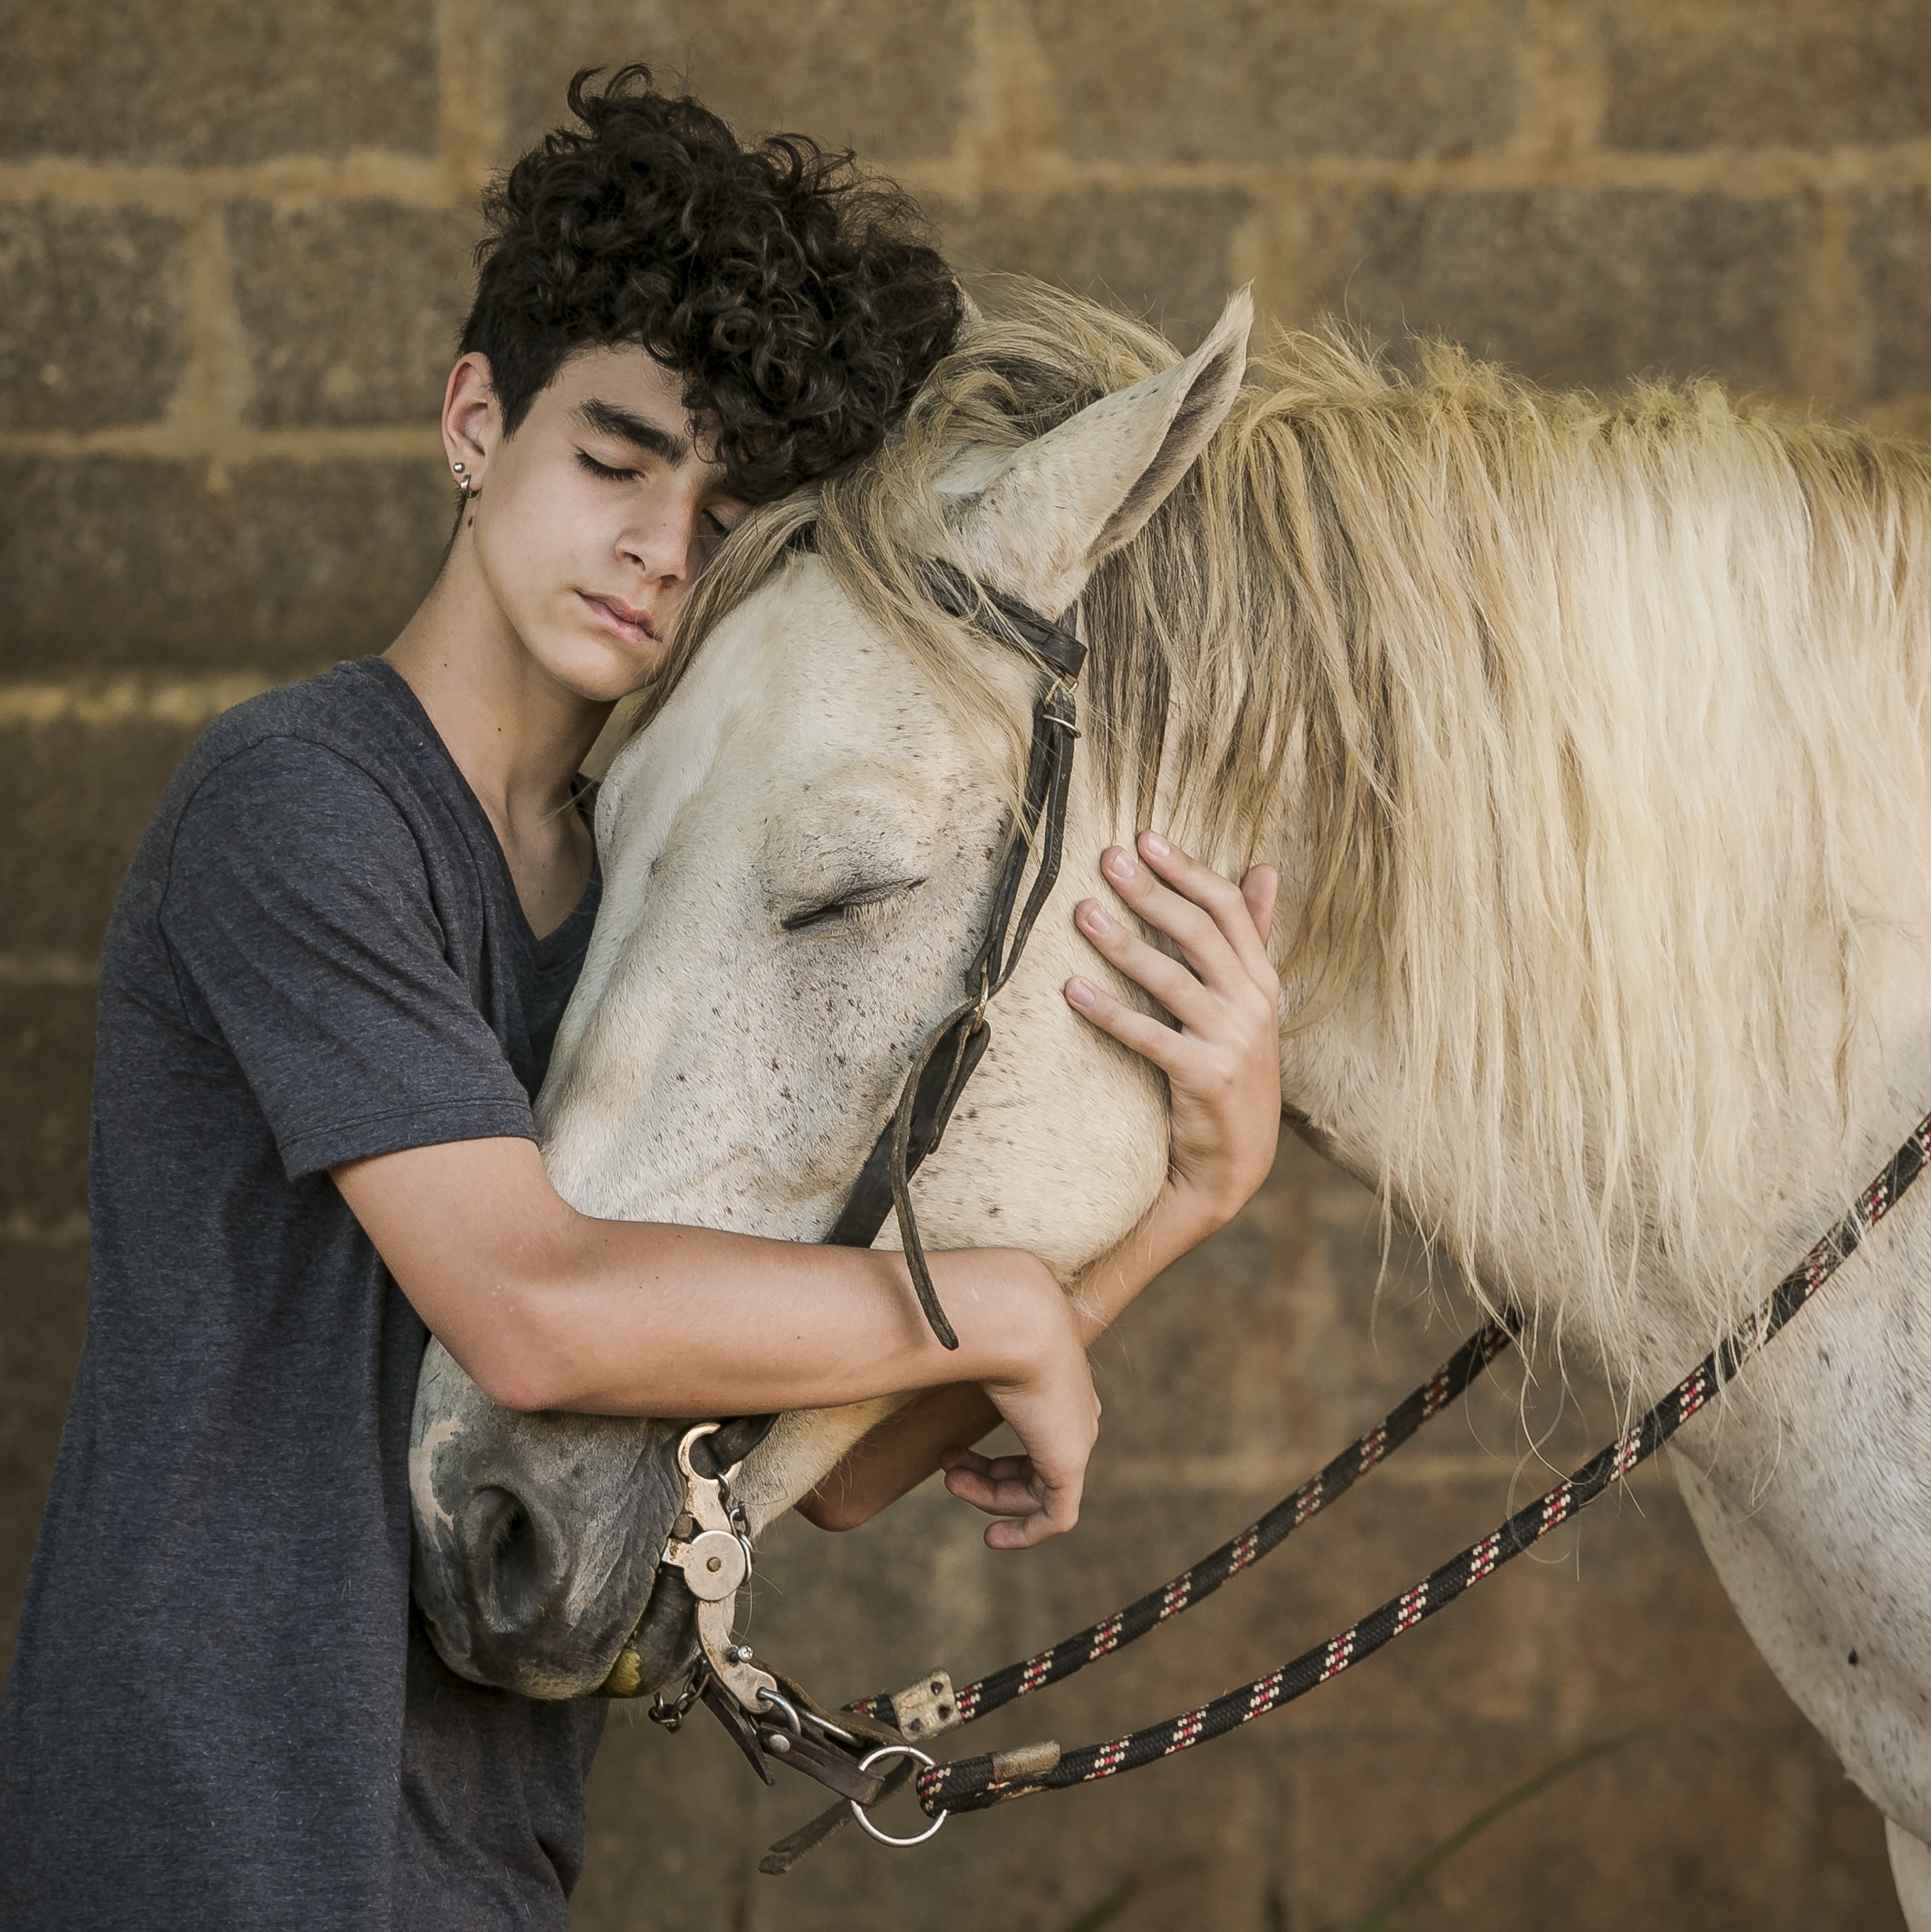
512 1563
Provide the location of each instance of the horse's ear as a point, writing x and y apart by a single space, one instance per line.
1061 502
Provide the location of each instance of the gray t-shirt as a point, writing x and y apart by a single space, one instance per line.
222 1712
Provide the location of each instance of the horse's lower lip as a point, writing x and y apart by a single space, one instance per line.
665 1640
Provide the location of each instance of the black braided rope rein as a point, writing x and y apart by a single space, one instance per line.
1445 1386
970 1784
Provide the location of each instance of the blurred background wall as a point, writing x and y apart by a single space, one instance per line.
234 241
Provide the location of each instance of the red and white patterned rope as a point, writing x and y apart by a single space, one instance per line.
970 1784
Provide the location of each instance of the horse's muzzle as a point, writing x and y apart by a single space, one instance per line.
537 1540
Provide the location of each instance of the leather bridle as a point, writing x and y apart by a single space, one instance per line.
708 1547
954 1048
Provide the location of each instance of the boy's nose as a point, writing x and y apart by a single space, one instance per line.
662 545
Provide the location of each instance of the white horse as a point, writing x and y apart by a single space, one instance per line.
1590 742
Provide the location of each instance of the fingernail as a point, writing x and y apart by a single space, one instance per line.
1092 918
1080 991
1119 864
1154 846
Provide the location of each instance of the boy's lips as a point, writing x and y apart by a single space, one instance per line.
624 620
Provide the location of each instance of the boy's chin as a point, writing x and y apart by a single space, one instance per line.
598 671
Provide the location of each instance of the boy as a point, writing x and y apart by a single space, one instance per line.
327 996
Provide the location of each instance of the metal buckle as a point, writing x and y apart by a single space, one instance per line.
709 1545
858 1810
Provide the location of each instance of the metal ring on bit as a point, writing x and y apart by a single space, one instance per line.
858 1810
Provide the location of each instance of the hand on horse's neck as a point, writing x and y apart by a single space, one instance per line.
517 736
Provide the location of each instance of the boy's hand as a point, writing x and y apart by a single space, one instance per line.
1051 1404
1001 1486
1222 1061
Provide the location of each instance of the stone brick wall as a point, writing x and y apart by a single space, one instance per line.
233 247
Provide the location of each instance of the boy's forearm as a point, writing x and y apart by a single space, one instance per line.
546 1308
664 1320
898 1455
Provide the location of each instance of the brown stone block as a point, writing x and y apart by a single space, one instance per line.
107 564
219 80
1262 80
1573 286
1743 74
112 565
75 801
1166 254
46 1060
341 554
886 79
1683 1825
1891 244
43 1310
353 309
91 331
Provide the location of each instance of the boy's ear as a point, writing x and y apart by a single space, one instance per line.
468 398
1049 510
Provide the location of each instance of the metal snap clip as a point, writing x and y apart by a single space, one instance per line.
858 1810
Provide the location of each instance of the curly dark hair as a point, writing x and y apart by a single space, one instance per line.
800 299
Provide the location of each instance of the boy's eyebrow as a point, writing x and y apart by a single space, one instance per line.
609 419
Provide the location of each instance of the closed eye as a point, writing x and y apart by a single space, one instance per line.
603 470
849 910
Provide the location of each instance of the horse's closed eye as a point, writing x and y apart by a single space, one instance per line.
848 910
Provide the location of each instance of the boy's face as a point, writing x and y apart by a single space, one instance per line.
593 521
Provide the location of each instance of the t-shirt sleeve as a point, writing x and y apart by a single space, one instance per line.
298 910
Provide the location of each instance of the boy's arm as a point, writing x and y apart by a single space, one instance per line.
1223 1074
548 1308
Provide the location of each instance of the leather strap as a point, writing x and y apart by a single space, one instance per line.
952 1051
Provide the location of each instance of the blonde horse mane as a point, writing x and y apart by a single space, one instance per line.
1590 735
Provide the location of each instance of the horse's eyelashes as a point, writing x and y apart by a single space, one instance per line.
823 915
848 909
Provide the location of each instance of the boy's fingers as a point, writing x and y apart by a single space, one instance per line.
1032 1510
1159 973
1010 1495
1260 887
1233 911
1210 916
1151 1039
1189 921
1054 1518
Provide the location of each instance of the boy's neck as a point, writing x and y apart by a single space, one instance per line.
517 735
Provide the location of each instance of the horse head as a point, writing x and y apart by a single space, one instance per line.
799 854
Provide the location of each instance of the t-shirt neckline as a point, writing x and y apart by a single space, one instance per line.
548 948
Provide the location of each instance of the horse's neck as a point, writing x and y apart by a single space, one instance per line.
1835 1118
